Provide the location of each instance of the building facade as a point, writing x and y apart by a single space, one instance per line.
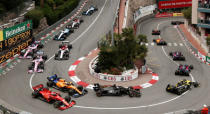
201 16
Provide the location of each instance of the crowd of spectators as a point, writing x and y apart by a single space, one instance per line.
204 3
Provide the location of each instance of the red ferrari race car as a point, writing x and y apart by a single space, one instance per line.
44 94
155 32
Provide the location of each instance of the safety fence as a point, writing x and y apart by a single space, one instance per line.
144 11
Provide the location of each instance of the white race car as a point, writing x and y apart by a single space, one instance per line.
64 51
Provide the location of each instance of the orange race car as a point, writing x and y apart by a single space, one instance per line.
159 41
64 86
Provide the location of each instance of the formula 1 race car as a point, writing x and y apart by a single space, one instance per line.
155 32
90 11
44 94
31 50
159 41
184 70
63 34
177 56
177 22
37 63
113 90
60 84
64 51
181 87
75 23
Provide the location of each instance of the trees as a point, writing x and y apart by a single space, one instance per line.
35 15
187 13
53 10
121 56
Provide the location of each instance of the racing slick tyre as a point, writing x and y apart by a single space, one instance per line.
71 92
70 46
30 68
40 46
176 72
154 40
170 53
35 94
96 9
45 57
56 57
81 21
196 84
80 88
191 67
60 46
49 84
22 53
57 104
183 58
98 93
179 92
67 98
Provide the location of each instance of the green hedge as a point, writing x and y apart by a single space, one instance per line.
53 10
35 15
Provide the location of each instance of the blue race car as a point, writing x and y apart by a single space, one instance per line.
63 34
90 11
64 86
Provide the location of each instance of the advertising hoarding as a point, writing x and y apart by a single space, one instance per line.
174 4
14 39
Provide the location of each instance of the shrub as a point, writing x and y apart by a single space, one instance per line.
35 15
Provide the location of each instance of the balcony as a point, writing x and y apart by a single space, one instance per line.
204 7
203 23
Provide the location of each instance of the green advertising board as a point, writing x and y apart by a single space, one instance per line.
208 59
17 29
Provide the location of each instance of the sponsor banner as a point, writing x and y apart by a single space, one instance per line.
174 4
17 29
15 39
208 59
158 15
15 50
177 14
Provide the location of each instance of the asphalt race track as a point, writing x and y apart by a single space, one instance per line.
16 89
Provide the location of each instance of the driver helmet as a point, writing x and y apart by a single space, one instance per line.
204 105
